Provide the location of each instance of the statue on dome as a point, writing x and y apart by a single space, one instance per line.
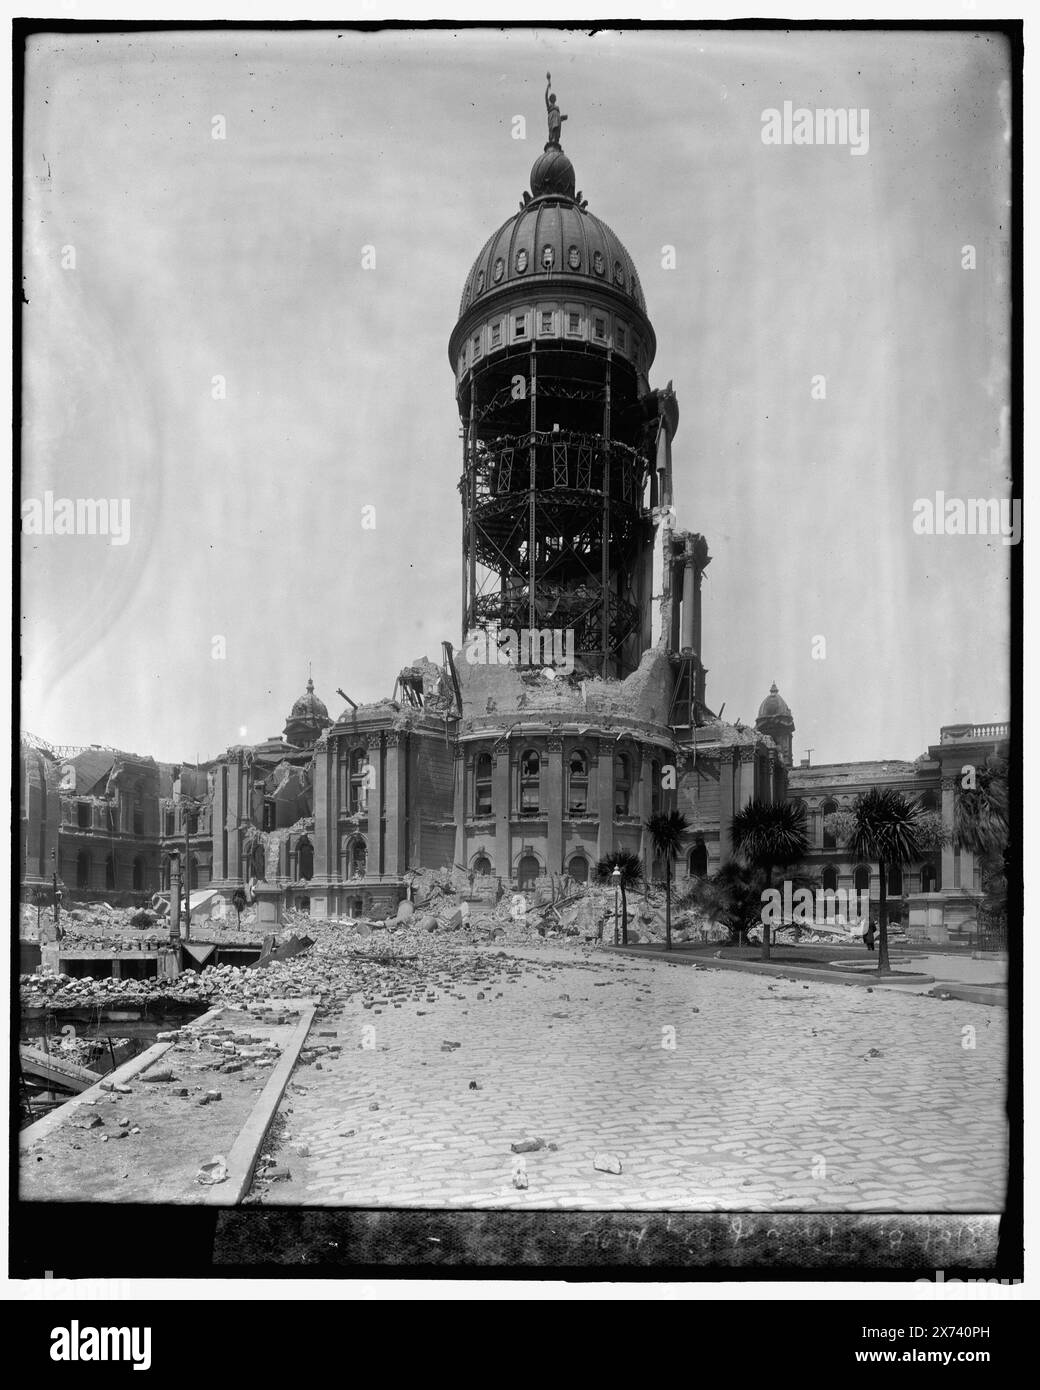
556 117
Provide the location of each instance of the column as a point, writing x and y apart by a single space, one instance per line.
217 822
459 804
324 810
235 775
948 795
605 796
374 807
394 801
553 803
747 774
688 609
726 775
644 801
502 804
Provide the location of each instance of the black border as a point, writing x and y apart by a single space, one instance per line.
78 1240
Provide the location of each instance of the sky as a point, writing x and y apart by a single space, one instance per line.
215 351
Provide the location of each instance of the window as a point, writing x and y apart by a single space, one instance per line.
138 813
305 860
138 874
830 879
530 780
619 337
482 864
496 335
169 823
622 784
192 822
193 873
358 768
546 321
829 808
699 860
895 880
357 859
482 786
520 326
861 880
83 816
110 872
573 323
578 785
548 257
601 327
476 347
270 820
928 883
83 869
655 787
527 872
578 869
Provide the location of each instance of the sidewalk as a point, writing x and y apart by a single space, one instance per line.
979 981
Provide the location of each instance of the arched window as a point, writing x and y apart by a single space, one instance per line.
482 785
527 872
358 767
895 880
305 860
829 840
622 784
861 880
530 782
138 878
699 860
830 879
83 869
578 785
110 871
929 882
655 787
482 864
357 858
578 869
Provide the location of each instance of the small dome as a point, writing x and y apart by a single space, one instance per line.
774 705
308 706
552 172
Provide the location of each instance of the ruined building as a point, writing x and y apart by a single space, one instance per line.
575 704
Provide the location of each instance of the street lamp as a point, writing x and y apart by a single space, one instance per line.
615 879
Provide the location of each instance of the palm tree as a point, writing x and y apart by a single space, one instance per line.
768 833
667 829
887 830
981 825
631 870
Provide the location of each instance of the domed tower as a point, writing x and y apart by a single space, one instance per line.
566 451
307 718
776 720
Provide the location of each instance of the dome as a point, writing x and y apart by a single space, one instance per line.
308 706
774 706
549 241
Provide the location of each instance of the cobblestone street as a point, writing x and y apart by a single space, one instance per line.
768 1095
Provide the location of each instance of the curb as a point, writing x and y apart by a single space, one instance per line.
793 972
244 1152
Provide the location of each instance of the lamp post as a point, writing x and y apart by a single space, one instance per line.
615 879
